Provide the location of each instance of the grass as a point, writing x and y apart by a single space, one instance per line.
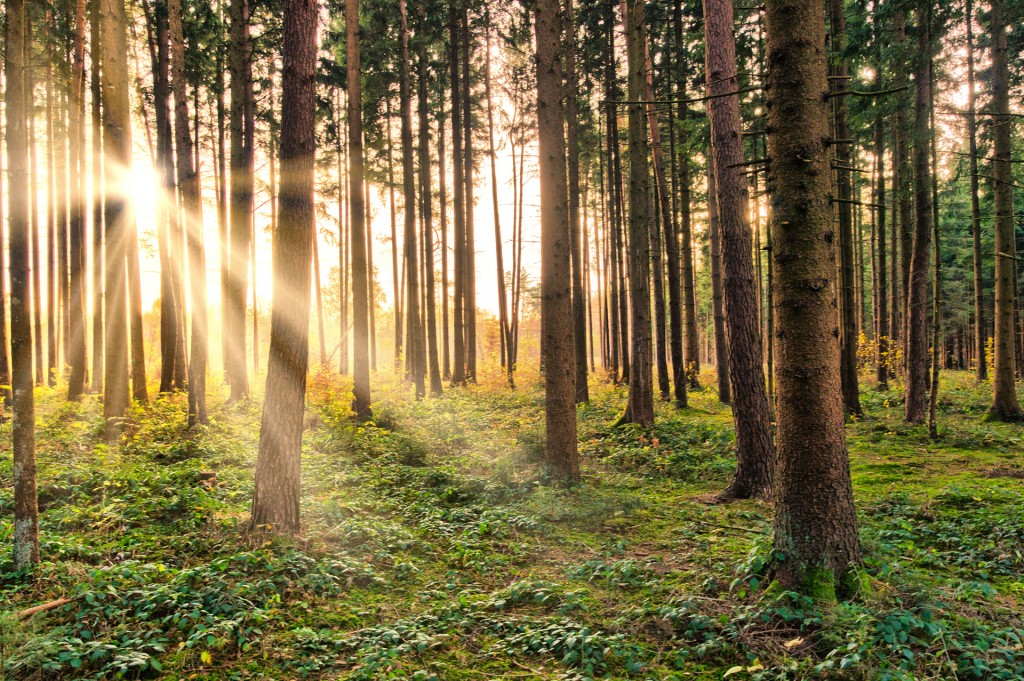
433 549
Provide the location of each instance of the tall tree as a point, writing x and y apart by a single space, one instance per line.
1005 406
751 412
117 218
275 502
241 224
916 393
882 344
98 192
843 143
640 408
556 282
426 193
815 520
980 336
26 501
191 203
76 252
458 203
357 218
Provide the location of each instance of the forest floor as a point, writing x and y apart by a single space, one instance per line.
432 549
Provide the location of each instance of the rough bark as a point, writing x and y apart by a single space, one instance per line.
556 296
981 367
275 502
751 413
916 393
717 289
1005 406
26 502
76 223
815 521
640 408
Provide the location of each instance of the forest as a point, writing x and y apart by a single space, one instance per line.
550 339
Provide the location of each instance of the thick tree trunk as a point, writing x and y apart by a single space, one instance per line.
357 218
1005 406
26 501
815 520
917 295
751 412
556 281
275 502
242 122
640 409
117 147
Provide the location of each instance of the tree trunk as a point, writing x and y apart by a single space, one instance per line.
275 502
848 307
442 179
397 271
556 281
917 294
76 225
815 520
579 310
97 191
117 146
1005 406
640 409
905 174
882 357
416 359
751 412
972 138
614 225
26 501
458 180
357 218
469 249
718 288
242 122
52 147
426 193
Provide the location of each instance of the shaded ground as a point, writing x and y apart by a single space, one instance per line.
433 549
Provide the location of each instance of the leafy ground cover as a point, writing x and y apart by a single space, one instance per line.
433 549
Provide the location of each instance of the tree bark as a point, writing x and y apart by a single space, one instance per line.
426 194
640 409
917 295
561 452
882 343
458 208
242 123
751 413
981 367
718 288
76 223
357 218
815 520
275 502
26 501
1005 406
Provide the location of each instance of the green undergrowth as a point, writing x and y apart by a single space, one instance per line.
433 548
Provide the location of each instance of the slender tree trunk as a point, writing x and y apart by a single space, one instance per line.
815 520
848 307
96 110
426 193
718 288
26 501
442 178
118 219
640 409
972 138
614 225
188 187
242 122
883 358
1005 406
905 191
357 218
458 180
556 281
751 413
933 396
469 250
579 311
52 146
397 270
275 502
917 295
343 244
76 252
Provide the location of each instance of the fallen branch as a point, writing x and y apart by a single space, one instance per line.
28 612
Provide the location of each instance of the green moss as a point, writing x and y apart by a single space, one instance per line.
820 584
